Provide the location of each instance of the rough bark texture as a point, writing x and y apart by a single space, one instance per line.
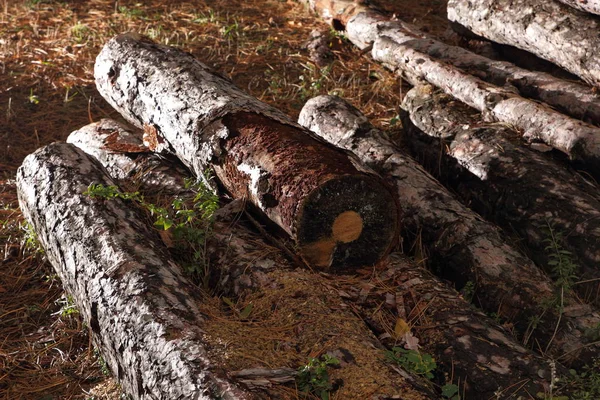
580 141
463 341
483 164
341 216
248 271
119 150
548 29
591 6
397 46
140 308
573 98
462 246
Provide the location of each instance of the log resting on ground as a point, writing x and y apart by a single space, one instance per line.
522 190
247 271
548 29
140 308
464 342
340 214
393 47
459 244
364 26
591 6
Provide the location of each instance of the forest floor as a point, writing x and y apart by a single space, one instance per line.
47 53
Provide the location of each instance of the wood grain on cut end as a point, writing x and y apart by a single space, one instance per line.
349 221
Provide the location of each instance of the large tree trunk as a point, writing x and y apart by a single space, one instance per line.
482 163
396 46
573 98
142 311
463 341
340 215
547 29
462 246
247 271
591 6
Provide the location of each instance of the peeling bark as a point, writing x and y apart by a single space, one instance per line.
364 26
548 29
246 270
140 308
484 166
458 243
464 342
340 214
591 6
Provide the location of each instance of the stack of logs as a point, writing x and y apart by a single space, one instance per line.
346 195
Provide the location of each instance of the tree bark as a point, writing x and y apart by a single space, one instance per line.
478 352
340 215
462 246
394 45
548 29
482 164
590 6
573 98
248 271
141 310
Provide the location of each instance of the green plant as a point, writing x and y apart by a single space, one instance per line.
131 12
468 291
80 32
313 81
562 267
413 361
33 99
585 385
450 391
30 241
189 221
314 377
68 307
102 363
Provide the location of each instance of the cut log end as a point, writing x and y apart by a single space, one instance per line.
347 222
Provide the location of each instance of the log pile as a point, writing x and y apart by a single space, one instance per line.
349 200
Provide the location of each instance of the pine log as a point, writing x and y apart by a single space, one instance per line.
139 306
248 271
476 350
393 46
482 163
340 214
364 25
548 29
460 245
590 6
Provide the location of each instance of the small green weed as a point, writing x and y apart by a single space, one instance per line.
102 363
190 224
314 377
80 33
33 99
68 307
30 241
562 266
468 291
131 12
413 361
313 81
450 391
586 384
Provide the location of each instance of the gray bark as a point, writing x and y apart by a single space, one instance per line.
482 164
403 49
463 341
142 311
243 271
462 246
339 214
364 26
591 6
548 29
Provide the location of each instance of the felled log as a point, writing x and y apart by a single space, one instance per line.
459 244
482 163
293 304
464 342
591 6
339 214
139 306
548 29
394 45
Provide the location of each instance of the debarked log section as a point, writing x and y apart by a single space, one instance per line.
591 6
340 214
548 29
462 246
464 342
520 189
244 269
140 308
